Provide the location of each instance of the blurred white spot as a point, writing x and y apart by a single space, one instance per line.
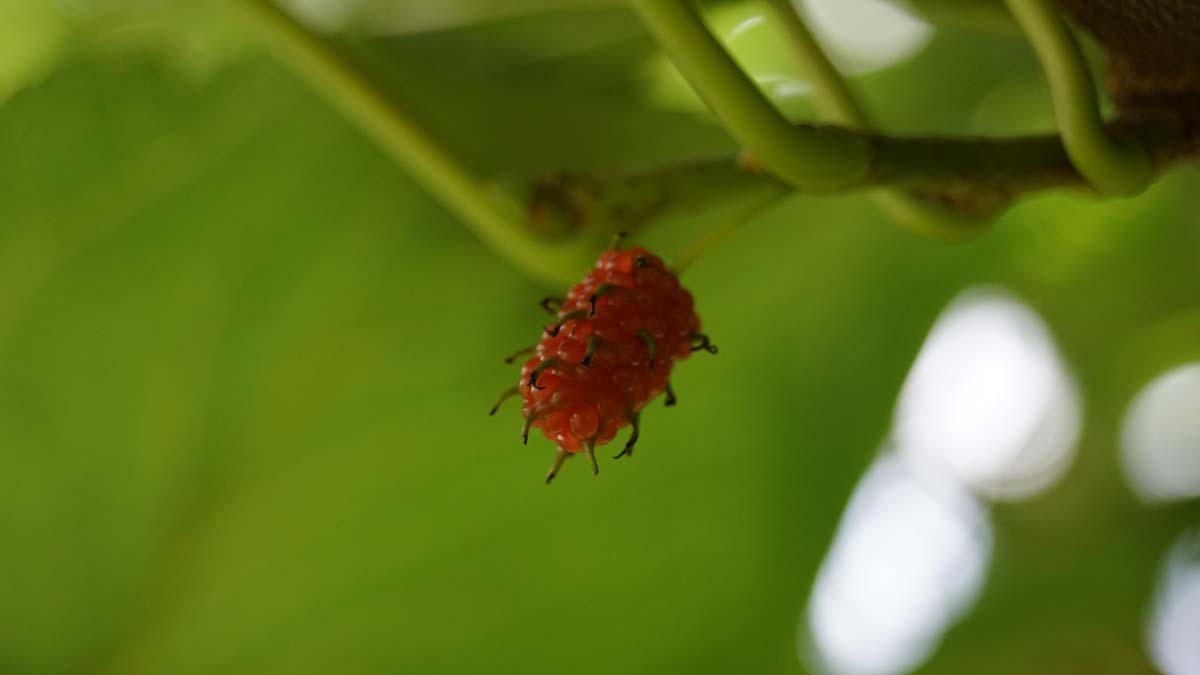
745 25
1160 438
325 14
783 87
1174 632
989 400
909 558
989 409
865 35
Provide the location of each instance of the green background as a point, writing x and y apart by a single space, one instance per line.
245 363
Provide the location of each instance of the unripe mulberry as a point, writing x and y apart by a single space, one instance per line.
617 337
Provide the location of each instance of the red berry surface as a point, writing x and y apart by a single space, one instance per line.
618 335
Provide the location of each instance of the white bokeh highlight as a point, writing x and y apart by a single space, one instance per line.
1174 630
988 412
989 400
1160 438
909 558
865 35
326 15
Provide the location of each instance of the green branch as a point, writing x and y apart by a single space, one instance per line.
814 159
953 182
1110 165
380 115
831 94
835 102
968 175
975 175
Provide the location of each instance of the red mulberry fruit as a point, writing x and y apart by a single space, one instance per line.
617 337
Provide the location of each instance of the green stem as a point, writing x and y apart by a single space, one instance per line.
835 102
381 116
1110 166
714 236
814 159
831 94
977 175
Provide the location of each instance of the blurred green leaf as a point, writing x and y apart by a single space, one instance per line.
31 35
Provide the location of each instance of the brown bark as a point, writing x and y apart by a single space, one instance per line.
1153 50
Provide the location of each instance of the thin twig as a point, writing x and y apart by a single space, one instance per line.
836 103
389 123
814 159
976 175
